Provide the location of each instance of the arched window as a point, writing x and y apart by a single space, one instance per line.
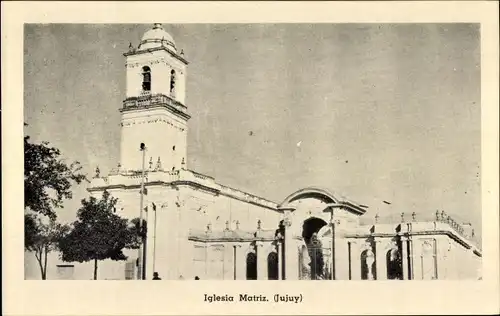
251 266
394 264
172 83
272 266
146 78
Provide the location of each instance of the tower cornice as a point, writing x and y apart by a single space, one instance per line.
151 50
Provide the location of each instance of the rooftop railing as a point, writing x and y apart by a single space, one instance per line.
461 228
148 100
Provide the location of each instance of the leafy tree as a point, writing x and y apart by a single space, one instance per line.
31 230
47 178
42 238
98 233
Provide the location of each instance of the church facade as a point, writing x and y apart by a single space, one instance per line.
199 228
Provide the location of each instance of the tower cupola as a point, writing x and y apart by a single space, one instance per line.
157 37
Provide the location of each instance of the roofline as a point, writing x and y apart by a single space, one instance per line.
150 50
184 183
327 194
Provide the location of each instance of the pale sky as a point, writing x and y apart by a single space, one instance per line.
382 112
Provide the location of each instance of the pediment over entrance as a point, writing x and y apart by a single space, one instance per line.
320 199
310 192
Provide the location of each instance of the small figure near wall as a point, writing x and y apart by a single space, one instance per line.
156 276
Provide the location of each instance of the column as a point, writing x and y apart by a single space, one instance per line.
291 254
228 261
150 242
279 251
355 261
380 260
240 262
415 259
184 247
341 260
404 256
334 261
261 261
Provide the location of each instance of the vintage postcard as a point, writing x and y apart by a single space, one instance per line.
351 145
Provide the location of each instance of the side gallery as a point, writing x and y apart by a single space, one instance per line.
253 298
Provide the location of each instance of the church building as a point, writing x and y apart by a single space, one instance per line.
199 228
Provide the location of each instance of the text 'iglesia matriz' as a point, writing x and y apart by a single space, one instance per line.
201 229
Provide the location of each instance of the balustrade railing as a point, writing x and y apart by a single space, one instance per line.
457 226
460 227
147 100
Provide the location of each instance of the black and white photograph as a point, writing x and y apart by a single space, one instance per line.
350 144
253 151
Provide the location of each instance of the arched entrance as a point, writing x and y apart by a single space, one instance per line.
307 212
315 253
310 227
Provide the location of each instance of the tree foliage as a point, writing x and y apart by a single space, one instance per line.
98 233
31 230
42 237
47 178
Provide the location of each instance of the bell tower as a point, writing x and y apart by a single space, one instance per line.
154 111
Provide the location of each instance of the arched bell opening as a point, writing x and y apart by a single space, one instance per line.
146 79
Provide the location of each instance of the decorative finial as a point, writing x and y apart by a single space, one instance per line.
402 217
119 165
130 47
150 162
227 225
157 26
237 224
97 172
443 215
259 224
183 163
182 52
413 216
437 216
376 218
209 228
158 164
